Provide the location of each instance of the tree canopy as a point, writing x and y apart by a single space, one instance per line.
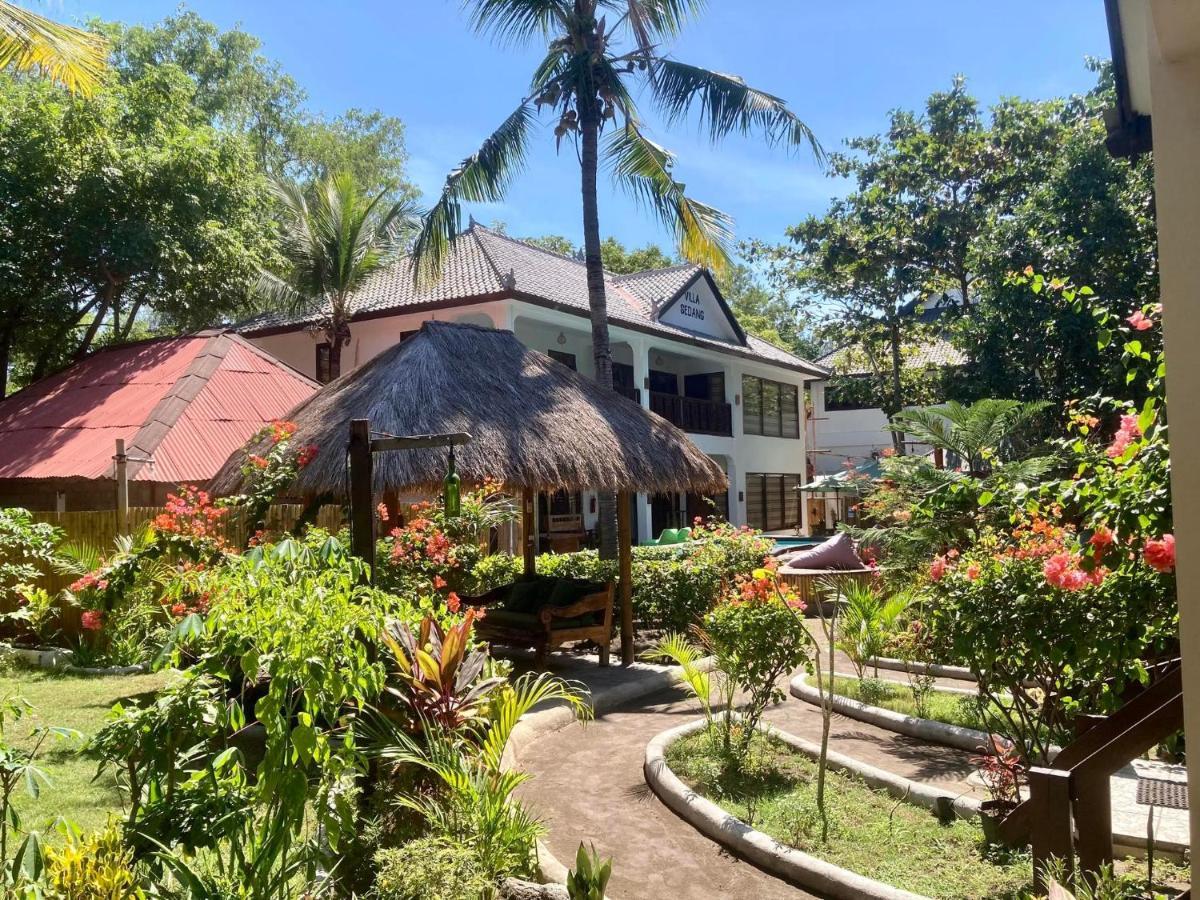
950 203
145 207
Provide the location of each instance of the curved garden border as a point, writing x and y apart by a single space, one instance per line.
540 723
59 660
937 670
924 729
768 854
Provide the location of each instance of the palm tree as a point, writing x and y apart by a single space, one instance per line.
585 82
70 56
332 238
984 434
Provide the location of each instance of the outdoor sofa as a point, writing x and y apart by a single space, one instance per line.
543 613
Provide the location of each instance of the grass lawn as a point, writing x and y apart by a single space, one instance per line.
79 703
870 832
952 709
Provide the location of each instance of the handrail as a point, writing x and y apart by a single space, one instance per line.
1077 781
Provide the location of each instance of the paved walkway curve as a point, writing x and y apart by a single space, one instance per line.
588 786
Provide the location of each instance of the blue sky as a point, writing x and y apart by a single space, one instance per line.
841 66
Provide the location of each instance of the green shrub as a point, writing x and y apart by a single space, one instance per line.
673 587
431 868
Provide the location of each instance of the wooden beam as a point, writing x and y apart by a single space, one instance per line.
625 573
417 441
528 525
1050 796
122 475
362 516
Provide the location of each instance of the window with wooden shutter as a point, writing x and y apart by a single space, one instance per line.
751 405
774 502
789 410
755 513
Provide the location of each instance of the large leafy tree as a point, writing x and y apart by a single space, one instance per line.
239 89
1079 216
853 271
333 238
123 207
33 43
595 52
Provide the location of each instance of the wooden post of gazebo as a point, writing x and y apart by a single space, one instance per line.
625 573
528 525
362 517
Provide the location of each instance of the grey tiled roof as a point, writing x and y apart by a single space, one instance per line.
938 352
485 263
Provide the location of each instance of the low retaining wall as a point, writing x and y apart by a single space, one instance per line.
762 850
59 660
914 726
937 670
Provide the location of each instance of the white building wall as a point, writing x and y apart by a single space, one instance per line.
545 329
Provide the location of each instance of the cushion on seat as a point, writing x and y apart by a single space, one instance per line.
835 553
528 596
572 590
507 618
673 536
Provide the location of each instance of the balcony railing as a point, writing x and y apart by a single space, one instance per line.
696 416
632 393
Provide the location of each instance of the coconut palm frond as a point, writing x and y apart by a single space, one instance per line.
651 20
522 696
332 237
642 167
925 425
517 21
77 558
726 104
74 58
482 177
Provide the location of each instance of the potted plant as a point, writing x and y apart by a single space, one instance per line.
1001 769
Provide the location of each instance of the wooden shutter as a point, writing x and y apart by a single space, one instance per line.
751 405
789 410
791 501
774 502
770 409
755 512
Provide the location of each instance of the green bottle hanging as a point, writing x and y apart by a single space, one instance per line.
451 489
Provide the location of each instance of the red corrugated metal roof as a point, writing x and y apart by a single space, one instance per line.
191 400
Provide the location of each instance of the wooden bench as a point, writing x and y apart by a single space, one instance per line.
543 624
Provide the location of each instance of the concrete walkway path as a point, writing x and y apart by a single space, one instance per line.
588 786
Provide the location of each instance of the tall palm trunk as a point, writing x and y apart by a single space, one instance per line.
589 122
897 389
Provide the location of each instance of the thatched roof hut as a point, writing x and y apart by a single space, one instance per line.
536 425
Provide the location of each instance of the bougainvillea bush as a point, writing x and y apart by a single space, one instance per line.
129 600
431 546
1073 600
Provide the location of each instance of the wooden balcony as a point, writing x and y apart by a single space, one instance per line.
695 416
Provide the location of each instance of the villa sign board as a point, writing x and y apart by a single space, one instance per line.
697 310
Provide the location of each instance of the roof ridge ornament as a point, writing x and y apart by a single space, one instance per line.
509 280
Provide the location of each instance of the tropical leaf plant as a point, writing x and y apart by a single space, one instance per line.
29 42
440 672
868 619
475 801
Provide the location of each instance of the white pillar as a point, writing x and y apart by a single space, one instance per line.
1175 88
641 370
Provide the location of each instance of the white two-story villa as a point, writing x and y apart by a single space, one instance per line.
677 349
